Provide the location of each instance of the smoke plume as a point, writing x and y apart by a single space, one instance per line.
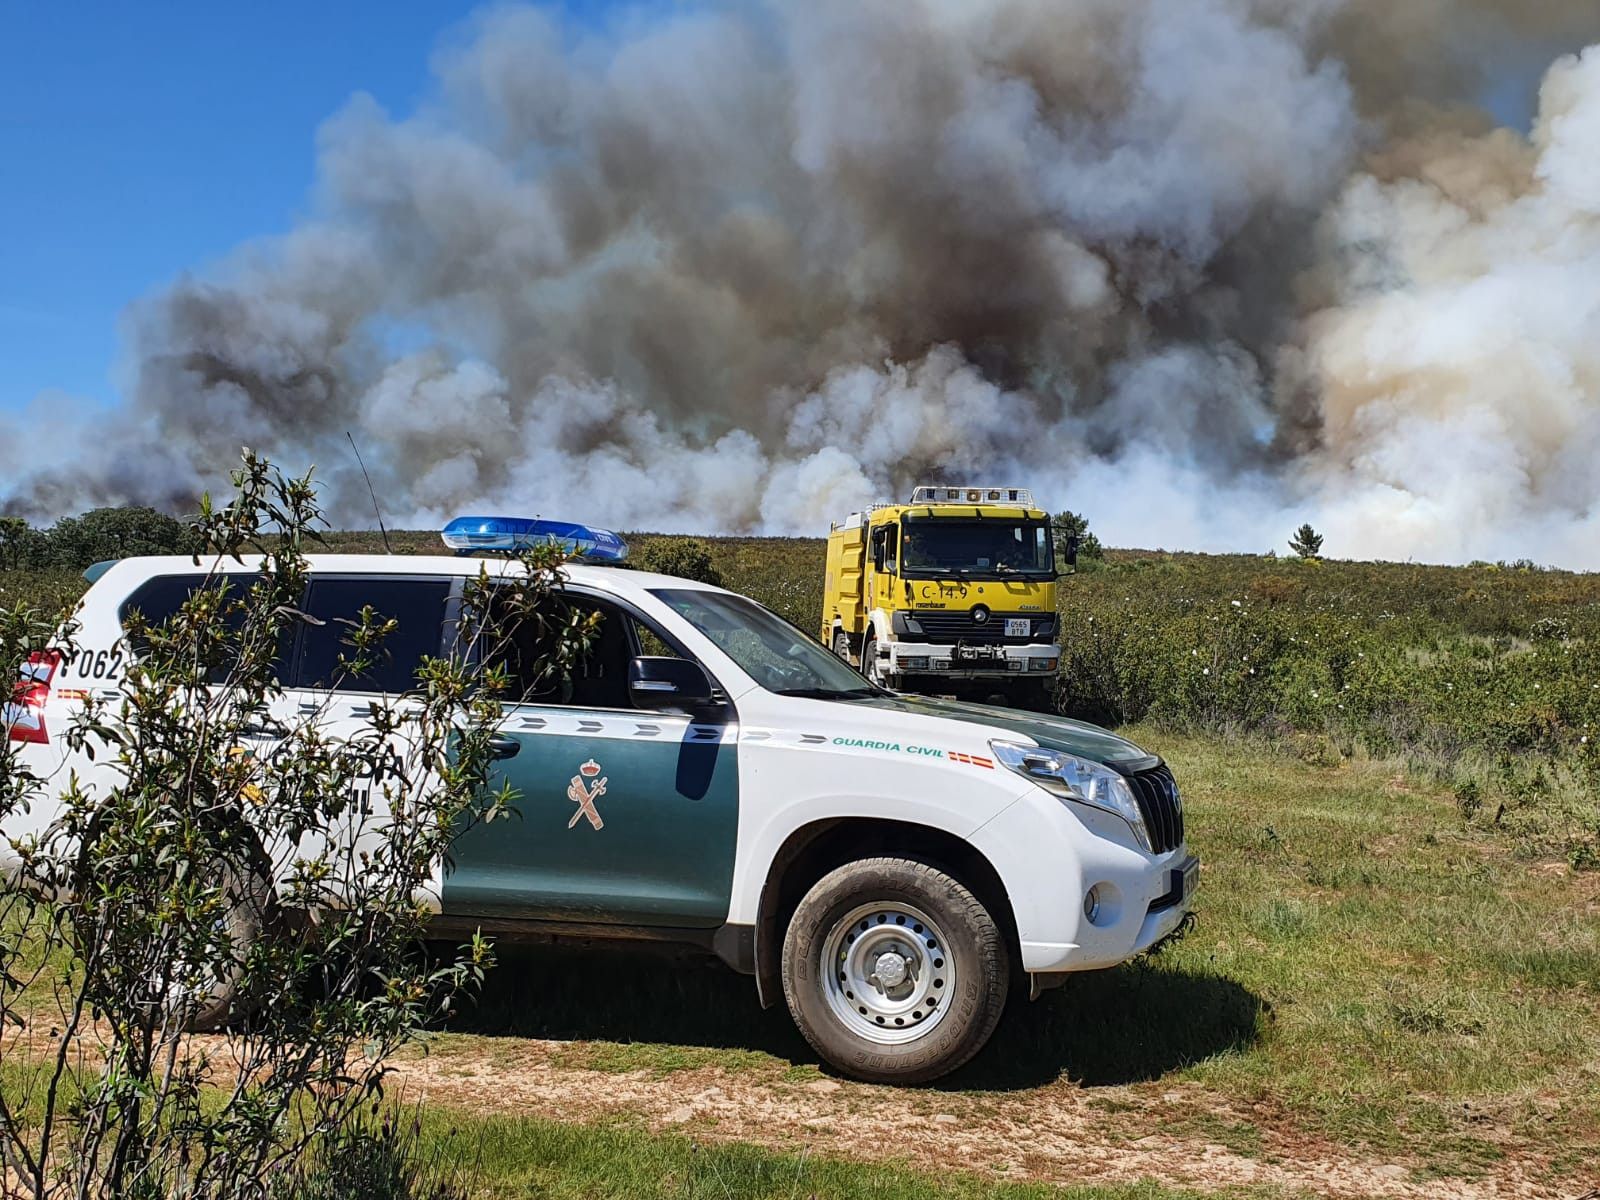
1200 269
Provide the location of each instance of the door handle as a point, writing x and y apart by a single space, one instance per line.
504 747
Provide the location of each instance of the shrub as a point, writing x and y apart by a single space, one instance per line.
107 533
154 900
687 558
1068 525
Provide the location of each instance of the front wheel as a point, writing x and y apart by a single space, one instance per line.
894 971
871 666
841 644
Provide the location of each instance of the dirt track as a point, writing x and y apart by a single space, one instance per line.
1059 1133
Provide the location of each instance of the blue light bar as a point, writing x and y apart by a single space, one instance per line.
509 535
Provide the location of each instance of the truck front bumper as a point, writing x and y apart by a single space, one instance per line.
945 661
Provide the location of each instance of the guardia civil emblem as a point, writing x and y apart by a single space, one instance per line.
582 792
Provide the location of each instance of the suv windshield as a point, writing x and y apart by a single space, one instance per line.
771 651
934 546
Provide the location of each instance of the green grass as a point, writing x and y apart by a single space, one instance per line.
1406 965
515 1157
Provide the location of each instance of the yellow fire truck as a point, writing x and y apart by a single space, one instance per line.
951 593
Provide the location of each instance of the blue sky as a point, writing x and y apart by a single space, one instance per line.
141 140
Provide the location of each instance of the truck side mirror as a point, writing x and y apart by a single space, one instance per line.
1071 555
669 683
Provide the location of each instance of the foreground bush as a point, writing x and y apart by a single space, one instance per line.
150 908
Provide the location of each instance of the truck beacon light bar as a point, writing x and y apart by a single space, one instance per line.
510 535
966 494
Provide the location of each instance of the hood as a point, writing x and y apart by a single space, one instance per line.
1053 733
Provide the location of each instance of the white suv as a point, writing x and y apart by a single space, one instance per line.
711 775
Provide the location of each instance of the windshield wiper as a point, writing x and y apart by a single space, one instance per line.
819 693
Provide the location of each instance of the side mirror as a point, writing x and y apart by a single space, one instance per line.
669 683
1071 555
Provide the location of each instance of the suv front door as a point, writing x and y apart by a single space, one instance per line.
622 816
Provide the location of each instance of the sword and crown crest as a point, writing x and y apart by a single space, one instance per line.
584 794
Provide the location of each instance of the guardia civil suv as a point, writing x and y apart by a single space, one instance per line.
709 774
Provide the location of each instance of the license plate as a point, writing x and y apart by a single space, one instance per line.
1017 627
1191 877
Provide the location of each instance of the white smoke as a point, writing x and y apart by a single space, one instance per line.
1200 269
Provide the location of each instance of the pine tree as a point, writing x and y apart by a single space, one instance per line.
1307 542
1068 525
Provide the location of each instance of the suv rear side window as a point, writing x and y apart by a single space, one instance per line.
158 599
416 605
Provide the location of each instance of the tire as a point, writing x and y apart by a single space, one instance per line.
841 644
869 663
215 1002
934 943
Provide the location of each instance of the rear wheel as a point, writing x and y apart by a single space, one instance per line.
894 971
206 998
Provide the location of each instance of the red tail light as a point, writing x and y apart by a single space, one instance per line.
24 716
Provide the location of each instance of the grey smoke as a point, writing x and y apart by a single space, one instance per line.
1199 268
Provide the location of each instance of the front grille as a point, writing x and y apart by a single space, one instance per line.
1157 793
952 627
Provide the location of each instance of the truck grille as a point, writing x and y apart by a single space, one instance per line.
952 627
1157 793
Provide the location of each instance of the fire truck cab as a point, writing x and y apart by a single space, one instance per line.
952 593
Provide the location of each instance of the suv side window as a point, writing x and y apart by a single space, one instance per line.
417 607
158 599
599 679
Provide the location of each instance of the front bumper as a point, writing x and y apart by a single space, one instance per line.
1049 854
1160 919
942 660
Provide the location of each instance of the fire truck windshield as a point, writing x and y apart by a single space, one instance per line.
947 546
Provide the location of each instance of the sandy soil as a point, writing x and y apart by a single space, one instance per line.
1058 1133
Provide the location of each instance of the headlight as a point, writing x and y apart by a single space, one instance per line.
904 623
1076 779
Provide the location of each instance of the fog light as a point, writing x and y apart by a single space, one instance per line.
1091 904
941 664
1014 664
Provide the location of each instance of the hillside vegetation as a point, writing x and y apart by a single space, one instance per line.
1486 677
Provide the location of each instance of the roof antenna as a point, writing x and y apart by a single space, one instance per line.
376 510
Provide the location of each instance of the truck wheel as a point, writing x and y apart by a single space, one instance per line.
894 971
841 644
870 666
